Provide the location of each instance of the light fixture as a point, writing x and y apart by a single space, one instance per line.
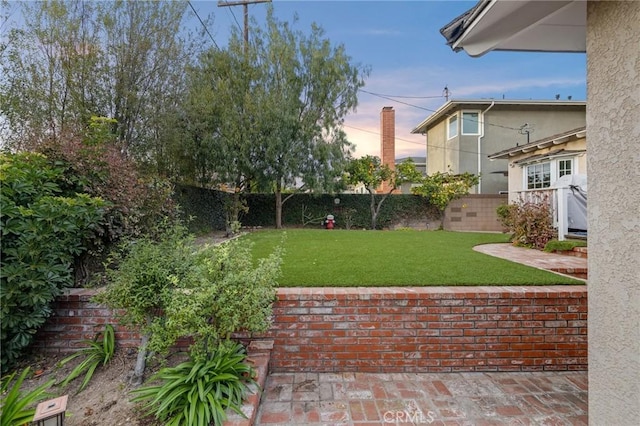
51 412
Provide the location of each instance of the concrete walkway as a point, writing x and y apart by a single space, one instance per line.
474 399
559 263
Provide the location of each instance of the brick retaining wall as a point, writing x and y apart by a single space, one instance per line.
425 329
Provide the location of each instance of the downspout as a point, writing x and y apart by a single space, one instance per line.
480 146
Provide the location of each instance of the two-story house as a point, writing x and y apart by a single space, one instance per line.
462 134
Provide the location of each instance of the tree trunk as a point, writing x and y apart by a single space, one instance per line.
278 207
374 212
141 362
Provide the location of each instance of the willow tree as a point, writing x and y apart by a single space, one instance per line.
305 88
266 115
218 129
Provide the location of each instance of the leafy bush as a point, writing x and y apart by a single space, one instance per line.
567 245
530 224
198 392
41 234
94 164
96 353
442 188
172 289
16 407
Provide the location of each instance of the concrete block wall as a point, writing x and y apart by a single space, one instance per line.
416 329
475 212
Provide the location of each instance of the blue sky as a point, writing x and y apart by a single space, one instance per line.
408 57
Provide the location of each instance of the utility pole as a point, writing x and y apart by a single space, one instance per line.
245 5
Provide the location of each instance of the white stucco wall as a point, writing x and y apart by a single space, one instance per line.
613 146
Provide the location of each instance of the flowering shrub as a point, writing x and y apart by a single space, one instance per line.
530 224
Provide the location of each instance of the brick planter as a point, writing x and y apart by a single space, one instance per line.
430 329
416 329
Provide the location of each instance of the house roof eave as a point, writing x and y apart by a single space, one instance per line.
526 25
548 156
558 139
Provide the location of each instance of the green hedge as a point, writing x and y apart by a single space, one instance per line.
203 208
207 207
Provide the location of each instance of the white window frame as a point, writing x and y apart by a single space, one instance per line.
541 165
451 118
554 171
572 167
476 120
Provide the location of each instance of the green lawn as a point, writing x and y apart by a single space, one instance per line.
338 258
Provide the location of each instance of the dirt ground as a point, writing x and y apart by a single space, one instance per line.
105 400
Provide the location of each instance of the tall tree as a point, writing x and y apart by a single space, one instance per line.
370 171
69 60
219 131
49 84
306 88
147 54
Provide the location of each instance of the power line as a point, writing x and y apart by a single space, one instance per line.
417 143
230 10
403 97
203 25
395 100
432 110
378 133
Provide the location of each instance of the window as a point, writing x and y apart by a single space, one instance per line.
565 167
539 176
470 123
452 129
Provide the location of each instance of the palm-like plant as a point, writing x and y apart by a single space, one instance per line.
97 352
16 407
198 392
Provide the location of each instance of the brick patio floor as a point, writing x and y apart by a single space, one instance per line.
532 398
554 262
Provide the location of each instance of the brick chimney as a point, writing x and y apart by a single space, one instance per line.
387 141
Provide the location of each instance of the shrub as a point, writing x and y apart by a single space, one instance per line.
94 164
567 245
172 289
16 407
530 224
41 234
198 392
95 354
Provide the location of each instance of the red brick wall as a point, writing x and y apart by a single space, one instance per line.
432 329
387 142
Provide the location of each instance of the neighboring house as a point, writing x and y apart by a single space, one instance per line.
360 188
538 171
462 133
419 162
608 31
421 166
